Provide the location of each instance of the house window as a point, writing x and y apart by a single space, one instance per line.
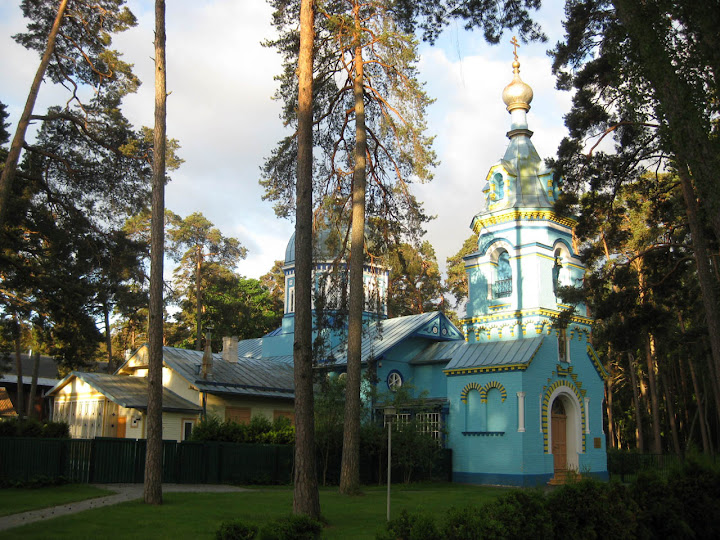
284 414
502 287
429 423
563 346
394 380
239 415
187 426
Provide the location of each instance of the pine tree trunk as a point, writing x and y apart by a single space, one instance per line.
32 409
639 441
8 173
702 262
198 301
700 408
609 412
671 414
350 468
108 337
154 455
20 401
654 401
306 498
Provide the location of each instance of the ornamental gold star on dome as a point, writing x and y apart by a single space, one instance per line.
517 94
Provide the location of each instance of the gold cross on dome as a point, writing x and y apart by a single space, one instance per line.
515 45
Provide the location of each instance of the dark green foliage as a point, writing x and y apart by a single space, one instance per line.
410 527
469 523
236 530
590 509
36 482
260 430
519 514
294 527
29 427
659 515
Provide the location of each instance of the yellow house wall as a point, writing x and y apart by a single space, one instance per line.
216 406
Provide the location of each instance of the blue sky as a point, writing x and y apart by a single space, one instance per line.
220 109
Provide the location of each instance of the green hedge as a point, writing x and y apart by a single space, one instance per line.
685 505
29 427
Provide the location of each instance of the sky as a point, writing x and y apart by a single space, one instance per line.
220 108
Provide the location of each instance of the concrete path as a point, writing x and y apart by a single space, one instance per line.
123 492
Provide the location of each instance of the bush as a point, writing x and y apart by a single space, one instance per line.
295 527
35 482
592 509
29 427
522 513
236 530
467 523
410 527
259 431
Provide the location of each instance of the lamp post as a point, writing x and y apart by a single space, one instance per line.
389 413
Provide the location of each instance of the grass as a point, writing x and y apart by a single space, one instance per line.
17 500
198 515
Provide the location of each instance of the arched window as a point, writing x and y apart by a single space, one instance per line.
503 282
496 417
474 412
499 185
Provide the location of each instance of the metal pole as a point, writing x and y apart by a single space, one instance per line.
388 467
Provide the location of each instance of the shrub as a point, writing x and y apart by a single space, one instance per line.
592 509
295 527
29 427
696 490
410 527
464 524
236 530
519 514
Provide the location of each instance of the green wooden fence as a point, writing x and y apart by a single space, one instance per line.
109 460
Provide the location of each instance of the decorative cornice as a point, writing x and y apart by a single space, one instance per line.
515 214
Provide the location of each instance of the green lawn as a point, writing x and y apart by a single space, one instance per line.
16 500
198 515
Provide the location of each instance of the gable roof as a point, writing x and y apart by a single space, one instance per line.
381 336
259 377
7 409
129 392
494 356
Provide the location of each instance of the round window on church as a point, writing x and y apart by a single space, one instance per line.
394 380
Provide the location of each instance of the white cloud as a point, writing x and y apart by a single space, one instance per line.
220 109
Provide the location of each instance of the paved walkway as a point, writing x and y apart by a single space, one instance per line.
123 492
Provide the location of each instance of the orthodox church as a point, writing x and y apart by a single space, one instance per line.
518 399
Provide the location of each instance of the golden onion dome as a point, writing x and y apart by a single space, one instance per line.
517 94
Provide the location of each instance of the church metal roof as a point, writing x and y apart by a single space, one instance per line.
509 353
380 336
129 392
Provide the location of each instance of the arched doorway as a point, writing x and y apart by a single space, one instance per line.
559 437
565 421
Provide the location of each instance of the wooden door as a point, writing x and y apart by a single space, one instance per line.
121 427
559 436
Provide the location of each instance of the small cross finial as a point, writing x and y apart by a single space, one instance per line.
515 45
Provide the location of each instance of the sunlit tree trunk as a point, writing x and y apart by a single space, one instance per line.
8 173
154 455
306 499
639 440
20 402
198 299
350 469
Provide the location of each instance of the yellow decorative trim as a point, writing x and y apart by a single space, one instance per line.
549 313
488 387
468 388
545 410
487 369
523 215
596 362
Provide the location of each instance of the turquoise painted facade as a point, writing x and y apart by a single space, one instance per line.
516 399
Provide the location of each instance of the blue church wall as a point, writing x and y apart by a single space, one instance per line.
397 360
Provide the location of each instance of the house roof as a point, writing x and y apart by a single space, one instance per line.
380 336
47 367
266 377
129 392
6 407
515 353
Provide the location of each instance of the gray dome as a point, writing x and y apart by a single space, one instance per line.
325 247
